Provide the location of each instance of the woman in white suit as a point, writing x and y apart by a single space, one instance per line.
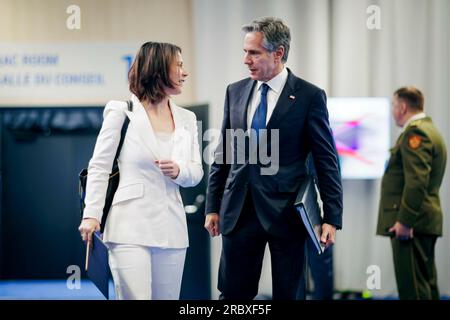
146 230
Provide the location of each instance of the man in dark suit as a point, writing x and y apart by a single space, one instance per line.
251 202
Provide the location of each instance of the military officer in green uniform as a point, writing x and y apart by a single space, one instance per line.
410 209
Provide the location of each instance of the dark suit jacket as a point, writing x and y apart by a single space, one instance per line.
301 117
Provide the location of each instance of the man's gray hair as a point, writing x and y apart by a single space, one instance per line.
275 34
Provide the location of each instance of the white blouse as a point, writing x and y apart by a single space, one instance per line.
166 142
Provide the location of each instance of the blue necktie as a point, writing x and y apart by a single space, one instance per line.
259 118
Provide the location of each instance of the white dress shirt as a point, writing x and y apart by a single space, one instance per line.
166 144
276 85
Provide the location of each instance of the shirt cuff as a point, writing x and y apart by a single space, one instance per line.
181 178
90 213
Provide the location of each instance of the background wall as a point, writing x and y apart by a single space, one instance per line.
331 47
111 21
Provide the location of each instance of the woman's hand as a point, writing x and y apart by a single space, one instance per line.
169 168
87 228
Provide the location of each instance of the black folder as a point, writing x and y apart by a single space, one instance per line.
309 211
98 268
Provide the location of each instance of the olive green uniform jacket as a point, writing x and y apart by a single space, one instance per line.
410 185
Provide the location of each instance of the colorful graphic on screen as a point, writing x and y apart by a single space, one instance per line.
361 132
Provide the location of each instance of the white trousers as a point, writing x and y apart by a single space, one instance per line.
146 273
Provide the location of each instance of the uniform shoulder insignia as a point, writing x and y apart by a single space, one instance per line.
414 141
416 123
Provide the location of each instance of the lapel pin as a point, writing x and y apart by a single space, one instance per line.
292 97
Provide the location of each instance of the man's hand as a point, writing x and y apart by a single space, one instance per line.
401 231
328 234
212 224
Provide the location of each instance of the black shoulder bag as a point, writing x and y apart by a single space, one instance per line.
114 177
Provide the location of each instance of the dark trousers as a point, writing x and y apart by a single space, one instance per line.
242 257
415 270
321 267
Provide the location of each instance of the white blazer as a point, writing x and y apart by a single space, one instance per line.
147 208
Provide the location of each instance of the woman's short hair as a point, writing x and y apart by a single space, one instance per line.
149 73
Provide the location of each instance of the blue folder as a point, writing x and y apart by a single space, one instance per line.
309 211
98 268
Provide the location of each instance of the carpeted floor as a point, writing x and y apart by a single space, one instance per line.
59 290
50 290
